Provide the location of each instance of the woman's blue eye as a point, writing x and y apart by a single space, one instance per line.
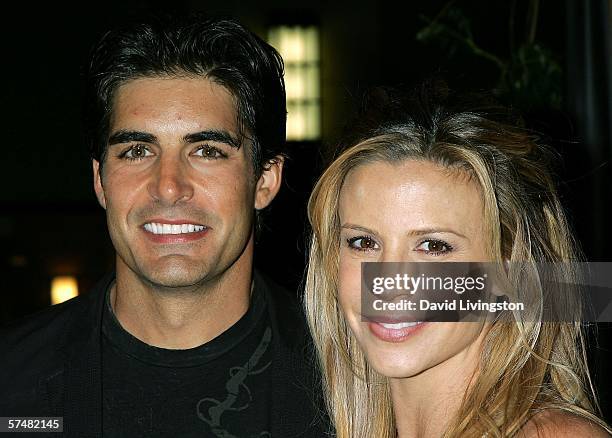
362 243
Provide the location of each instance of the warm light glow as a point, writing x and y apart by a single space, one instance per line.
292 44
299 47
295 84
296 125
63 288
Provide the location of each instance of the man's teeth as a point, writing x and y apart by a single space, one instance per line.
399 325
172 229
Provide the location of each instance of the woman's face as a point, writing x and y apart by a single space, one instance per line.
413 211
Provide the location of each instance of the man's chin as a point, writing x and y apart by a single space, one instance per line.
175 284
176 276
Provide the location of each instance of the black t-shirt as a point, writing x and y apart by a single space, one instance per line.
219 389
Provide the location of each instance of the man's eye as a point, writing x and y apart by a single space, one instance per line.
362 243
210 152
136 152
434 247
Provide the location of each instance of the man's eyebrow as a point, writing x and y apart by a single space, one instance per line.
126 136
213 135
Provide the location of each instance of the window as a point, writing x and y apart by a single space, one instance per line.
299 47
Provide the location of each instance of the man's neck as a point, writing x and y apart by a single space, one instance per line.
182 319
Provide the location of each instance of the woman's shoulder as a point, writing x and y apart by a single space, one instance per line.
561 424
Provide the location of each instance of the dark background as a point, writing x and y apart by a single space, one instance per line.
549 59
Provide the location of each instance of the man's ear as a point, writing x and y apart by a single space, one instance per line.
97 179
269 182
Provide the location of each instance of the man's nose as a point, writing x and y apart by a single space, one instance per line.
170 183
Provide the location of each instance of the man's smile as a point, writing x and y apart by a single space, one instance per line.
175 231
164 228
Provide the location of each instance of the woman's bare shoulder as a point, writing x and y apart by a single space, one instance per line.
561 424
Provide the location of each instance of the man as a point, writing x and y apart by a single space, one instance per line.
187 127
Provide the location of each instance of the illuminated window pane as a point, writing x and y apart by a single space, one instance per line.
63 288
312 81
299 47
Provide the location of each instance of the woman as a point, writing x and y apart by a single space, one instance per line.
432 183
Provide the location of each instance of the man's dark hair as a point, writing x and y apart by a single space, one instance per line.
220 50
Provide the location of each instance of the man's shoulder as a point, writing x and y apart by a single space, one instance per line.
34 343
283 306
297 379
43 325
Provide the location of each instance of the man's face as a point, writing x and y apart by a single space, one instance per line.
178 188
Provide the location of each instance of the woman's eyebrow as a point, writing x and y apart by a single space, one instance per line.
357 228
415 232
433 230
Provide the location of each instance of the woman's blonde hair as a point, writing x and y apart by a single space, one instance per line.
531 365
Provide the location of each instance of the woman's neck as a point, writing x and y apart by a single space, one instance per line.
425 404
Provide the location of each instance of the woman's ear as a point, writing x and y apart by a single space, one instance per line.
269 182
